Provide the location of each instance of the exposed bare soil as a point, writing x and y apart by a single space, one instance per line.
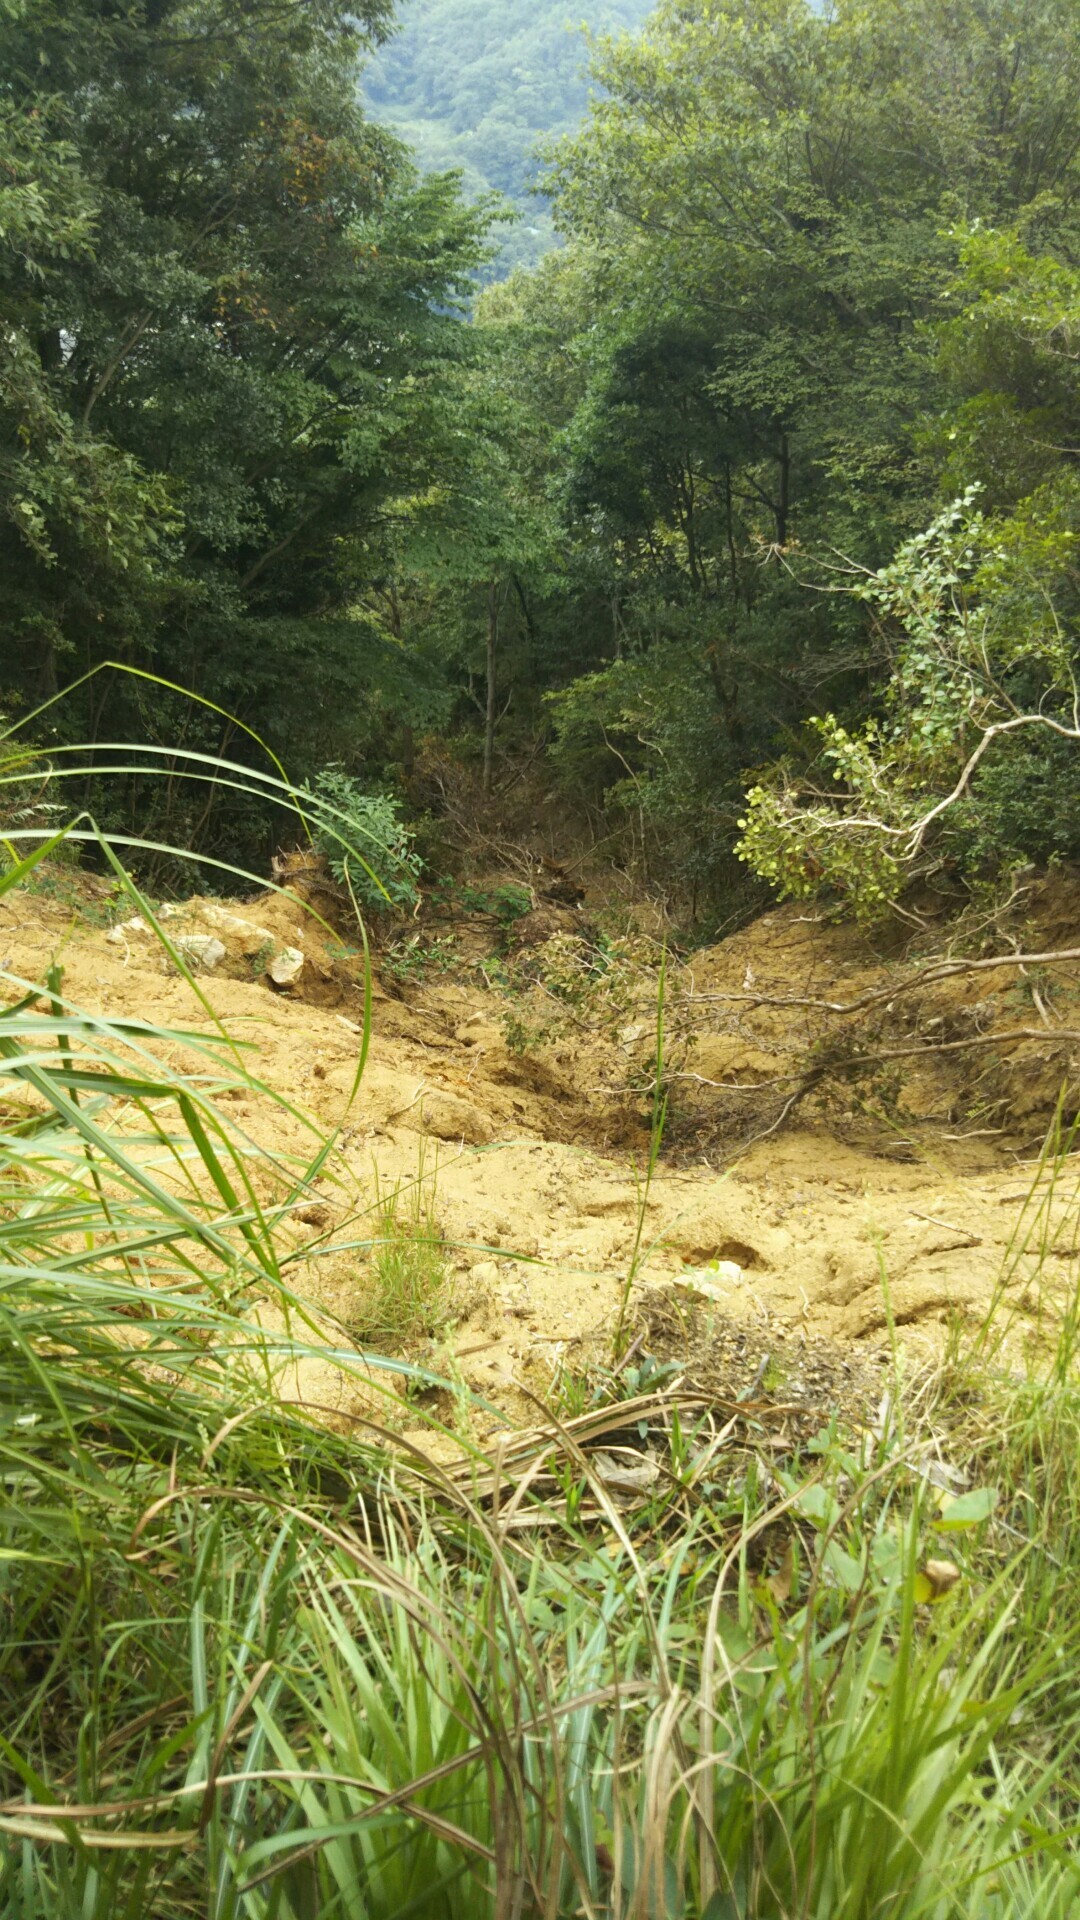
843 1173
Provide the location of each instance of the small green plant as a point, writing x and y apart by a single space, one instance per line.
584 1388
62 883
507 902
407 1295
261 958
415 958
510 902
523 1035
495 974
366 843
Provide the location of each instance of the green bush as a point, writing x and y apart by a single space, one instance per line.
1024 805
366 842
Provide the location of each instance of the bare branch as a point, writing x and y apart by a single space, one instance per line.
929 975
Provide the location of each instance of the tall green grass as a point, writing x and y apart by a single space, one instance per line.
254 1666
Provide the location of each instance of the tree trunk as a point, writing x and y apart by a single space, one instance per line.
727 695
47 682
784 491
492 667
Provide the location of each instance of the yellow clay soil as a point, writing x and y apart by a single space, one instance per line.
894 1189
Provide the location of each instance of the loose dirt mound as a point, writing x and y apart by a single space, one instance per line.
889 1048
841 1176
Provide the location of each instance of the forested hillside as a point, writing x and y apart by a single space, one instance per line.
814 319
475 84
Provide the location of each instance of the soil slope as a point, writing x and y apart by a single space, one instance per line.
838 1173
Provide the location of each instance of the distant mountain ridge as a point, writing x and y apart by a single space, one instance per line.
475 83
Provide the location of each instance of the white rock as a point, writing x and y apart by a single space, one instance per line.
200 948
119 934
707 1283
699 1285
228 922
285 967
244 933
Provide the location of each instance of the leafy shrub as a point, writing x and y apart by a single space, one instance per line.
1024 805
508 901
972 758
413 958
366 842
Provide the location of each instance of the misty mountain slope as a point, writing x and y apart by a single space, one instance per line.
475 83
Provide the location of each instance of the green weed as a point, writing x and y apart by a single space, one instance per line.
507 902
415 958
407 1294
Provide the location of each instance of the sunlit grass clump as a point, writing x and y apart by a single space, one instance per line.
406 1295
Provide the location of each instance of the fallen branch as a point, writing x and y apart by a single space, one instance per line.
928 975
854 1063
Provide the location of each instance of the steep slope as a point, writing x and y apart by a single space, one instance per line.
794 1249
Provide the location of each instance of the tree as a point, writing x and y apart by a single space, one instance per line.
482 543
72 506
766 194
972 761
245 337
474 86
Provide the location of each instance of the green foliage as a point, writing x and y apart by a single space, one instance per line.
507 902
474 84
416 958
643 737
250 441
366 842
227 308
407 1293
748 377
973 756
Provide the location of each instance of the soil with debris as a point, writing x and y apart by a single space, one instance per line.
850 1150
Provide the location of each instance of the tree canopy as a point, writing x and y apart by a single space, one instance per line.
764 481
231 307
781 364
